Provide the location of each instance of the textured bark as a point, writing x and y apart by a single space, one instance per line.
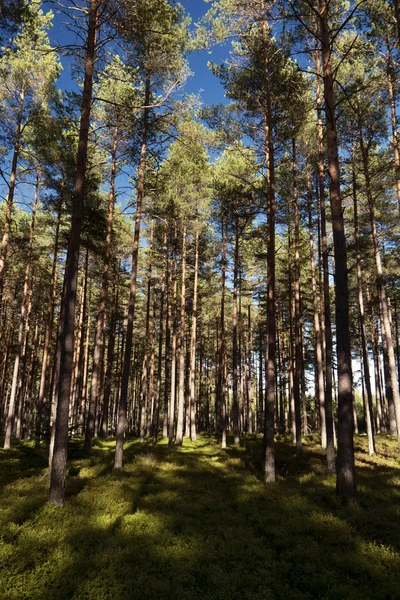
59 459
345 482
123 401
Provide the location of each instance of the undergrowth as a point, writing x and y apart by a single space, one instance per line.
198 523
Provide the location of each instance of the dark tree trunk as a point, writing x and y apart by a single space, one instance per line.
59 460
345 482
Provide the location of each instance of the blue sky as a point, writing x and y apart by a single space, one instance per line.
202 79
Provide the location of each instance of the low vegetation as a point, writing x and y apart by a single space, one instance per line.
198 522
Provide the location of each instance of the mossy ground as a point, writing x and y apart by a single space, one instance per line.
198 523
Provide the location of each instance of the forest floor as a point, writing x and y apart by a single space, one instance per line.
198 523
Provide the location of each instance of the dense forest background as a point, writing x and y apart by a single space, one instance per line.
170 266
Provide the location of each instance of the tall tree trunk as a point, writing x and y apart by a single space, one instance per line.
297 316
235 361
181 385
173 322
319 392
327 435
104 428
392 387
59 459
123 401
98 350
143 401
193 341
11 192
223 365
269 420
345 482
395 135
364 348
156 414
44 382
22 339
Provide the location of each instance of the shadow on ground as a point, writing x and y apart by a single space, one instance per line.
198 523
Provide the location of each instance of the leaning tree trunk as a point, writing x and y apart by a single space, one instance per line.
123 400
345 481
59 459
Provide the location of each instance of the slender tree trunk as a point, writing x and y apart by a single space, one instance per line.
235 366
345 482
173 321
319 392
392 387
44 383
364 348
181 385
123 401
223 365
193 341
395 135
327 435
269 421
22 339
59 460
297 316
168 324
11 192
104 428
143 401
98 350
156 414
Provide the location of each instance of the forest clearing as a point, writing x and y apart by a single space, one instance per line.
198 522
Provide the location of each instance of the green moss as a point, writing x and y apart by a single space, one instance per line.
197 522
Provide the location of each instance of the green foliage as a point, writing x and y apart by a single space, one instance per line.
198 523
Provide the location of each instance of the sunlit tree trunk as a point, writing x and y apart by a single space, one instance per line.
181 384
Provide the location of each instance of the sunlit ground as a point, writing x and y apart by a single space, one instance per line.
198 523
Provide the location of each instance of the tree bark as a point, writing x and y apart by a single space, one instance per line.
59 460
98 350
181 384
193 340
345 481
123 401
